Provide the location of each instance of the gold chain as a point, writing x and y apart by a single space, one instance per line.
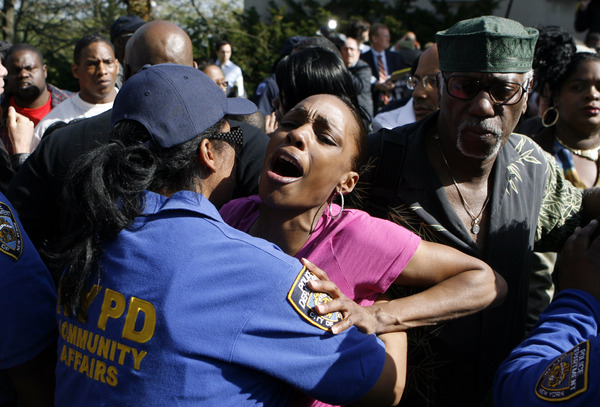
474 219
591 154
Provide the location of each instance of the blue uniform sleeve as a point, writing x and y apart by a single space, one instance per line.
558 363
308 356
27 294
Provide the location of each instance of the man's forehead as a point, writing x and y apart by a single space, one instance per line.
24 54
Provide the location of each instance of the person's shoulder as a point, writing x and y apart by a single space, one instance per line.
237 211
62 94
367 55
79 136
525 145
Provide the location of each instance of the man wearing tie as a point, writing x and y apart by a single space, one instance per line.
383 63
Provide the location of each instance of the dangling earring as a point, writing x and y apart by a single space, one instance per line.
336 217
544 117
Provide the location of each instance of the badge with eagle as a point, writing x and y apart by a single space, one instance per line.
11 241
566 376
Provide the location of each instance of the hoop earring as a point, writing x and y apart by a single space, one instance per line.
336 217
544 117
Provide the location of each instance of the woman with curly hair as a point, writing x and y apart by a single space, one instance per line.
570 83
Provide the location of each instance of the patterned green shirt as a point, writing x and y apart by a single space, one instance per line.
531 204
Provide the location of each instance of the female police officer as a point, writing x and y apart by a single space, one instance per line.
162 303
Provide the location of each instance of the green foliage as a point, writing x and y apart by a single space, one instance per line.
55 25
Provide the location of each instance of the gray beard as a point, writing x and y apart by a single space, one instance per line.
496 132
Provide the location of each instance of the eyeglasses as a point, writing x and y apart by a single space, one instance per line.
429 82
235 137
501 93
223 84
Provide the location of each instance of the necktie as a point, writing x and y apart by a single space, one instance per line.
385 97
382 71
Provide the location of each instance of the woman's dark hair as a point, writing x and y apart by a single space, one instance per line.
363 131
105 191
555 59
311 72
315 71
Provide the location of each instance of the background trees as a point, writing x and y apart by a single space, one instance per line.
55 25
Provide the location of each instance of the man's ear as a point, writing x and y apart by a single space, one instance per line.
207 155
74 71
348 182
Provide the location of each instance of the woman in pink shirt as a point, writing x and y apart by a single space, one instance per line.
313 157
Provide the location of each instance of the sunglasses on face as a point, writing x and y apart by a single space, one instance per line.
235 137
500 92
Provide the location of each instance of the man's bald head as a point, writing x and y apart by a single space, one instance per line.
157 42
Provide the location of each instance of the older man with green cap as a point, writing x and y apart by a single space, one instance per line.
461 177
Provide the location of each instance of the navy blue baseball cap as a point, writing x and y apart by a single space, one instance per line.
175 103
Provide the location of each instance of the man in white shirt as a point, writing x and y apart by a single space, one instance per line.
232 72
424 98
96 68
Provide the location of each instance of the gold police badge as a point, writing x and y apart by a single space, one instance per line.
567 375
11 241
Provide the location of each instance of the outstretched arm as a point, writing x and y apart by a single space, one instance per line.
459 285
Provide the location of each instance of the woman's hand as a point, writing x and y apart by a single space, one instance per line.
270 123
366 319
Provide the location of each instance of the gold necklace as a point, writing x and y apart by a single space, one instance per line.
591 154
474 219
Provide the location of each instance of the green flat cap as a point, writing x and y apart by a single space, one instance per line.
487 44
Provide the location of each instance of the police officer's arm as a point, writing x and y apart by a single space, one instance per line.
459 285
557 363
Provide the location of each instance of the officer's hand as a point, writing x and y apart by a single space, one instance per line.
579 262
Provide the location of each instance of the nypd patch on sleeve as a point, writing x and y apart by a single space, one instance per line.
11 242
304 302
567 376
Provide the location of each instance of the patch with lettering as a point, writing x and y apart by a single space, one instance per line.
567 376
304 301
11 242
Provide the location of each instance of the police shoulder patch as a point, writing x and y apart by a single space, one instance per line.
304 302
11 242
567 376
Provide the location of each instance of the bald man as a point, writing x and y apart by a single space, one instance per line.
36 191
157 42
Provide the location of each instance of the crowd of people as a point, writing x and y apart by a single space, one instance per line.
377 225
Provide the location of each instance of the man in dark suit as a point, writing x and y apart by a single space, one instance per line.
383 63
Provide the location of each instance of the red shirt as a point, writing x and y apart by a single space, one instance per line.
35 115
